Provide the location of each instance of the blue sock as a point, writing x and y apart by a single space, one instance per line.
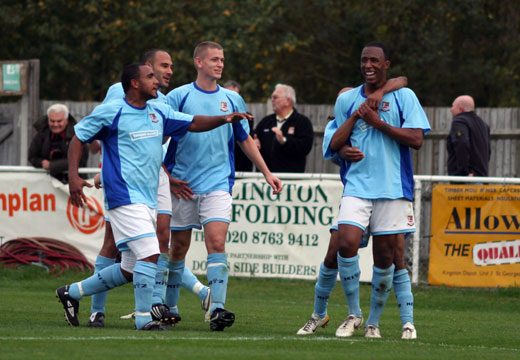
349 275
404 296
218 274
106 279
144 280
381 287
99 300
161 279
324 286
174 284
191 283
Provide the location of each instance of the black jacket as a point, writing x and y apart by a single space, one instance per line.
289 157
40 148
468 145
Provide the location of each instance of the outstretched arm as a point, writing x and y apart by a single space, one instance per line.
249 148
202 123
374 99
76 183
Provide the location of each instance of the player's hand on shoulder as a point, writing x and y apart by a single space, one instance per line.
374 99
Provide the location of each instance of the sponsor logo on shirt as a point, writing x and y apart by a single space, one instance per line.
363 126
154 118
223 106
144 134
385 106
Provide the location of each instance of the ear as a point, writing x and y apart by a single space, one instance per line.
198 62
134 83
387 64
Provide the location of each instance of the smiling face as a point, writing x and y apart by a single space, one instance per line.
162 67
374 66
57 122
147 83
210 63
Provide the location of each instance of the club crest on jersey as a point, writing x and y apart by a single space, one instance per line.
154 118
223 106
291 130
385 106
410 220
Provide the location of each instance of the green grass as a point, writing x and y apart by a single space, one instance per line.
451 323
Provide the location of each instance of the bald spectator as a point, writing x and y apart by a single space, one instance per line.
468 143
285 137
48 149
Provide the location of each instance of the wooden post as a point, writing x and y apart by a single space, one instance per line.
29 89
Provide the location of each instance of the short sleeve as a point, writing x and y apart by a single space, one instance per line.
91 127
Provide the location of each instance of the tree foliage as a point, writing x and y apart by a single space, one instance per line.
444 47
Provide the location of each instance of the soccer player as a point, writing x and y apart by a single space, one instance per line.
329 267
378 189
206 162
161 63
131 131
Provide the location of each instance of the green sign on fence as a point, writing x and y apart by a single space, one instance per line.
11 79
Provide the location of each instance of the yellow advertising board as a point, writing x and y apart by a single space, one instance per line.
475 236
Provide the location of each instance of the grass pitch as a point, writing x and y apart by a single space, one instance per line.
451 323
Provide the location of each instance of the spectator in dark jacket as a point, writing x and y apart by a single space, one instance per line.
468 143
242 162
285 137
50 144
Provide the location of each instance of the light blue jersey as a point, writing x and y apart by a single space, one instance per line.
206 159
131 145
116 92
386 170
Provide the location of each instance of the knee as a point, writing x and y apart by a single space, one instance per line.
399 262
383 260
331 260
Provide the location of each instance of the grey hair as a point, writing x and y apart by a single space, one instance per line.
288 91
58 109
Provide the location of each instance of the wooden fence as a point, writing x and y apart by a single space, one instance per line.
431 159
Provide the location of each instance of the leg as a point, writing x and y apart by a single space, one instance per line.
191 283
403 291
218 273
348 266
107 256
161 278
106 279
146 251
324 286
180 244
383 252
327 277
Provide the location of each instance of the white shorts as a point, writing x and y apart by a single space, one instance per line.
202 209
164 196
385 216
365 238
132 222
